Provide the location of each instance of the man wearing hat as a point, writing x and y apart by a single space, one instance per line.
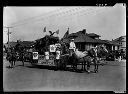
72 47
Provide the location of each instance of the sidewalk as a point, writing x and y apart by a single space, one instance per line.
117 63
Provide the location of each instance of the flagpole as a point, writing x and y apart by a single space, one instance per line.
57 32
8 34
68 31
57 35
45 31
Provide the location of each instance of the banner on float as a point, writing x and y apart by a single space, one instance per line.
47 55
35 55
57 54
52 48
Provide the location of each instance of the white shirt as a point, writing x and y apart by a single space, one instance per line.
72 45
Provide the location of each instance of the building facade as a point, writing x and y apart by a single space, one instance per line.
122 43
85 41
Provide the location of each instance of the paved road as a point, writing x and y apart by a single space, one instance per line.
111 77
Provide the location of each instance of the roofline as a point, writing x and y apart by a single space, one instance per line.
119 37
123 36
94 34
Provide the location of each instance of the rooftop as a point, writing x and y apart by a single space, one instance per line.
112 42
80 36
23 43
85 38
93 34
119 38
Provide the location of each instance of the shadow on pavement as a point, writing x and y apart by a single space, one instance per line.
41 67
33 66
19 65
54 69
114 65
9 67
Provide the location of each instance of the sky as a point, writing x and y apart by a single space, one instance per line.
28 22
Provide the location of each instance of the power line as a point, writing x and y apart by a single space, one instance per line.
42 17
8 33
38 16
64 12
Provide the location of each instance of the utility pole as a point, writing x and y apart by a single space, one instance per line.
8 33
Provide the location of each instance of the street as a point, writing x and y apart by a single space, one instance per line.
111 77
43 35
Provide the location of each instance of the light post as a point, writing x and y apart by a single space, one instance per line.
8 33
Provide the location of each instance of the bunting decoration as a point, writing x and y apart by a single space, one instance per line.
57 32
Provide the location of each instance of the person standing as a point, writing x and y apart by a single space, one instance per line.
72 47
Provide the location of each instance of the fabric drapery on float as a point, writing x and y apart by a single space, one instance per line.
66 34
57 54
47 55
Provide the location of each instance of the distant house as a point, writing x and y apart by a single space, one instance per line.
10 44
93 35
112 45
26 44
84 41
122 43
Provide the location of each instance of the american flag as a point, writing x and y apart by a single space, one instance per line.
66 34
57 32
